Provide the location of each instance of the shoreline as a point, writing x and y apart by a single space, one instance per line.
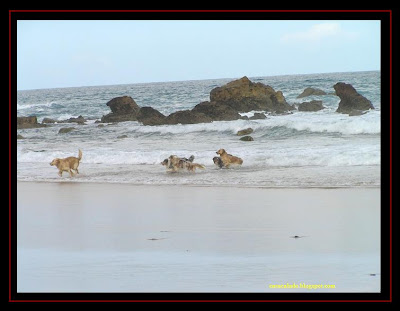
196 185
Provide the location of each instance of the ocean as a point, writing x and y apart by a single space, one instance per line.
302 149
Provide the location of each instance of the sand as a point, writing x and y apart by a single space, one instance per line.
93 237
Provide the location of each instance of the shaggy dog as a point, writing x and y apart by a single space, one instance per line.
174 164
218 162
229 159
67 164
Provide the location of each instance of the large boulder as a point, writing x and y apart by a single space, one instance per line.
311 91
123 105
150 116
28 122
314 105
187 117
217 111
350 100
243 96
123 108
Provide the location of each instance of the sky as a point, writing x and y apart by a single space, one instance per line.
71 53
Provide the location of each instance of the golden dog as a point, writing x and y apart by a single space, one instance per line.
67 164
228 159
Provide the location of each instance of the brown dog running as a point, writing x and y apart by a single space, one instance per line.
228 159
67 164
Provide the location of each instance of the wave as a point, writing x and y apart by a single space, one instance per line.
361 155
310 122
39 105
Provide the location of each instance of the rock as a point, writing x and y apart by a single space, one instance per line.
246 138
123 105
48 120
65 130
245 132
356 113
123 108
79 120
258 116
216 111
187 117
311 91
19 136
150 116
314 105
28 123
100 125
243 96
122 136
350 100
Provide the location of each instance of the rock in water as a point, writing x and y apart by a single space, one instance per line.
245 132
150 116
28 123
243 96
246 138
350 100
314 105
65 130
311 91
123 108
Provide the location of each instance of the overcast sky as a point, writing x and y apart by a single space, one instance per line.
87 53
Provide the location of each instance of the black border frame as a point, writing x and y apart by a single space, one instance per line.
385 16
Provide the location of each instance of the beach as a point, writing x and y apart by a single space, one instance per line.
114 237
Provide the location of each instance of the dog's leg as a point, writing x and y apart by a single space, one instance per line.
60 173
77 170
70 173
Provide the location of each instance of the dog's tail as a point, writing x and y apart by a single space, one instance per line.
199 166
80 154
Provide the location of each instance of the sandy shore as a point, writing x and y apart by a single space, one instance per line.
82 237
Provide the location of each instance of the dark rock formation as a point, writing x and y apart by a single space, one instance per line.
311 91
246 138
243 96
187 117
65 130
350 100
122 136
258 116
48 120
79 120
245 132
28 123
150 116
123 108
225 104
313 105
217 112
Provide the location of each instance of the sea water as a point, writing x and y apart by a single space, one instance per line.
302 149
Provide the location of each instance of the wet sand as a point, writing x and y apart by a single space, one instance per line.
83 237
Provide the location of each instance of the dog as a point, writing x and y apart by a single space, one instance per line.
174 164
228 159
218 162
67 164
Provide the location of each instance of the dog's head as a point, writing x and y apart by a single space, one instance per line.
221 151
55 162
165 162
216 160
